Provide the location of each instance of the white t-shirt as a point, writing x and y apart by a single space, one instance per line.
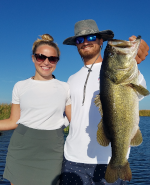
42 103
81 144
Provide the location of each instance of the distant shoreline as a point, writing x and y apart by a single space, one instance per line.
5 110
144 112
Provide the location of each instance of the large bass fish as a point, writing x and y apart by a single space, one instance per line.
119 105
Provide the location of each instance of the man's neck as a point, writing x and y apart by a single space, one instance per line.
90 61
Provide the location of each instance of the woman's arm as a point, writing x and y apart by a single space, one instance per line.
68 112
10 123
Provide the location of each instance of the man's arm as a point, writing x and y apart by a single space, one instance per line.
68 112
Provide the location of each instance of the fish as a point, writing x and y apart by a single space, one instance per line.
118 104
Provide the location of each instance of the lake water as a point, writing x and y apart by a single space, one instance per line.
139 157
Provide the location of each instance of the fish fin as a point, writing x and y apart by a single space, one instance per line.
137 139
122 172
140 89
101 137
98 104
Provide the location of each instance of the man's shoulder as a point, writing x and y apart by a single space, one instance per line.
84 71
76 75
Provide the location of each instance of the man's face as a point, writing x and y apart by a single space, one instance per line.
89 49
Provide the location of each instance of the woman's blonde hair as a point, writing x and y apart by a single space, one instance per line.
46 39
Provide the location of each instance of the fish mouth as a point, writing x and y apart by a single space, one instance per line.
123 43
120 43
123 46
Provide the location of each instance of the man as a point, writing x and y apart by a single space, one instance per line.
85 160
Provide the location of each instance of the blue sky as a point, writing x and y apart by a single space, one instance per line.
21 22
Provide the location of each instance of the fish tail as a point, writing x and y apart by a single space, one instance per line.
122 172
137 139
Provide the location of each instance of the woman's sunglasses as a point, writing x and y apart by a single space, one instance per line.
42 58
80 40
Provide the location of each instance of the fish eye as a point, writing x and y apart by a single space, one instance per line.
110 54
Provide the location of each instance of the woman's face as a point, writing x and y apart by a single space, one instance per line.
44 69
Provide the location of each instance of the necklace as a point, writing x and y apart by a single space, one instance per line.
89 70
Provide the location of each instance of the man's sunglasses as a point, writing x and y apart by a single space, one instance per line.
42 58
80 40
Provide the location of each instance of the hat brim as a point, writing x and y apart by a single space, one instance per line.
105 35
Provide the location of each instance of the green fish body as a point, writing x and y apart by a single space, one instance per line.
119 105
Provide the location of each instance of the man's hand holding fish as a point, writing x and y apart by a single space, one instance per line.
142 51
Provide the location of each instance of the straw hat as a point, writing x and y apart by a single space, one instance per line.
88 27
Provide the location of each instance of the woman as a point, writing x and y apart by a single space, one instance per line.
35 152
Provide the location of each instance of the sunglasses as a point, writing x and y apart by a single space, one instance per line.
42 58
80 40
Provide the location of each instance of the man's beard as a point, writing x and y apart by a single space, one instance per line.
89 54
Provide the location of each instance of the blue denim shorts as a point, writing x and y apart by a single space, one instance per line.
85 174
